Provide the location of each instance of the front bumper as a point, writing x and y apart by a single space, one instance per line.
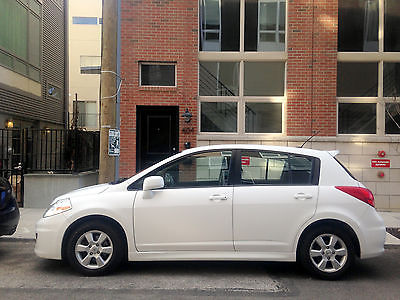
49 235
9 218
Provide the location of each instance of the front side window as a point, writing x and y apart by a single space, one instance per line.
274 168
198 170
154 74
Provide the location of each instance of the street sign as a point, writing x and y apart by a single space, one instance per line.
113 142
380 163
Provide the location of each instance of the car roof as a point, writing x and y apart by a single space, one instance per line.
304 151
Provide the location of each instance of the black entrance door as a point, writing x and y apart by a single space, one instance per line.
157 134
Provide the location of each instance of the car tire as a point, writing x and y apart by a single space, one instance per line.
95 248
326 252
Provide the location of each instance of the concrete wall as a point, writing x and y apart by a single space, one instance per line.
41 189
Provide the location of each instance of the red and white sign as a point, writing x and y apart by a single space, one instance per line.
245 161
380 163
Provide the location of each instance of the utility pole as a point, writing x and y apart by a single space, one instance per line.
108 88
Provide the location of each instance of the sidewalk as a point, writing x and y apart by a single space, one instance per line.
29 217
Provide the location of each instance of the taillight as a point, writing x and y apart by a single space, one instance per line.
360 193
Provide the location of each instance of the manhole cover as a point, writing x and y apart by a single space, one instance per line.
394 231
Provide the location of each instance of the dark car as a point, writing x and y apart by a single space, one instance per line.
9 212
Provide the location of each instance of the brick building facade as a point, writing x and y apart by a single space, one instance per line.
264 72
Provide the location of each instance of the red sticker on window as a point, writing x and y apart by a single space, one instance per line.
245 161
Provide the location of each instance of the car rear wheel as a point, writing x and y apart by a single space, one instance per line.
94 248
327 252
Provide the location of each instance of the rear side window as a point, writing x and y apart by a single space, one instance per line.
274 168
347 171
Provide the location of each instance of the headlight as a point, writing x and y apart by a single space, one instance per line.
58 207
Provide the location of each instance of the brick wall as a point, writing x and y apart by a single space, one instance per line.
311 67
162 30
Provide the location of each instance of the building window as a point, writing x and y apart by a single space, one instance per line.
357 79
265 25
357 118
157 74
219 25
368 72
219 78
20 37
90 64
84 20
358 25
86 113
248 87
264 78
218 117
263 117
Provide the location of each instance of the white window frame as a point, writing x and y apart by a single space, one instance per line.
245 56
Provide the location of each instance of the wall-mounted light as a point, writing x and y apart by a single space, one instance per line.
9 124
187 116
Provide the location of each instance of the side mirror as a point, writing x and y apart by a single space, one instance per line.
153 183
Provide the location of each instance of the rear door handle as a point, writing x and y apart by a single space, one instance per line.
218 198
302 196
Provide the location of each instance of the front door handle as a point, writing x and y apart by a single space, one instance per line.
218 198
302 196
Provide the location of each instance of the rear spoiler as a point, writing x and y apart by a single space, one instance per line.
333 153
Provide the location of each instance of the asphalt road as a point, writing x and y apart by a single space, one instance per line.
24 276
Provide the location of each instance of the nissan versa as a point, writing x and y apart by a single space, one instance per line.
230 202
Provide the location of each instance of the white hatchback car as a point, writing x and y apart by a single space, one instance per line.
229 202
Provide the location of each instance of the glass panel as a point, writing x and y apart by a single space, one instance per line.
34 40
392 118
392 25
218 78
34 74
20 67
6 60
264 117
355 118
218 117
358 25
200 170
157 75
275 168
219 25
357 79
262 167
13 28
391 79
265 25
268 15
84 20
264 78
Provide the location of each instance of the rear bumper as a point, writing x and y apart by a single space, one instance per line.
9 218
374 236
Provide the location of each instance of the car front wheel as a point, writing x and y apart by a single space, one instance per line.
327 252
94 248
